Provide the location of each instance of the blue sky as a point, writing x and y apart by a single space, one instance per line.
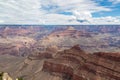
115 8
60 12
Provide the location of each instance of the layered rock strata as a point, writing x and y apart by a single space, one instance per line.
75 64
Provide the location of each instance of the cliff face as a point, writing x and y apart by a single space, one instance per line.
75 64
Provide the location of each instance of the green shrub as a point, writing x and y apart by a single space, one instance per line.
1 74
20 78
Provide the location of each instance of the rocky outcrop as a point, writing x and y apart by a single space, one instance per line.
5 76
79 65
52 49
71 32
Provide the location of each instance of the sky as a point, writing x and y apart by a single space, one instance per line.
60 12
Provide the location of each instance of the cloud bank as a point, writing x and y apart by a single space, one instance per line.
57 12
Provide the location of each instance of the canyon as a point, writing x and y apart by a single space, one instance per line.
23 40
75 64
69 64
86 52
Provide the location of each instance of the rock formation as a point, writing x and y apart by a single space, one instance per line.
52 49
5 76
75 64
69 31
69 64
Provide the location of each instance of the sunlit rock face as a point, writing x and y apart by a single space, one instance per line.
6 76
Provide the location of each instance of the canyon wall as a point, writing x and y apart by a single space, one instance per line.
82 66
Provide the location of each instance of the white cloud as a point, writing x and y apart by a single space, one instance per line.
106 20
49 12
1 21
82 16
115 1
59 19
20 11
67 5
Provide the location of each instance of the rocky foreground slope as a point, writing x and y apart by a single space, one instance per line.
70 64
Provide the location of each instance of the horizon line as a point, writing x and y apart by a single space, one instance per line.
56 24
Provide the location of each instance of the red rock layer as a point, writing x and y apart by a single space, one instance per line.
81 66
